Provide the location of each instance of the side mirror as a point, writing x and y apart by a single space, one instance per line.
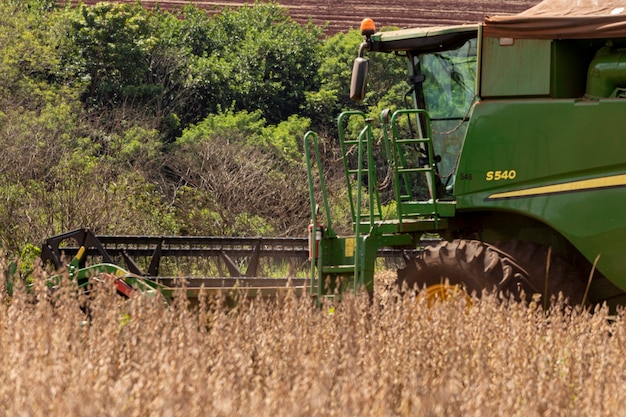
359 79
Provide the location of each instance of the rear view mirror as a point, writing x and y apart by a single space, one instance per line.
359 79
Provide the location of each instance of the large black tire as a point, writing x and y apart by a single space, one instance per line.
474 265
563 277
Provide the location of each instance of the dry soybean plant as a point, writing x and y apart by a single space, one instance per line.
390 357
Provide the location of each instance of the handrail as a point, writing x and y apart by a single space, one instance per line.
341 123
399 161
365 153
311 139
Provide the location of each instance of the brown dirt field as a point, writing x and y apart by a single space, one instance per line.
342 15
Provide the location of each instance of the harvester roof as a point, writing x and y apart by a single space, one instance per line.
425 39
563 19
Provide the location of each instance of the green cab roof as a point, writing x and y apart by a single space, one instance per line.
426 39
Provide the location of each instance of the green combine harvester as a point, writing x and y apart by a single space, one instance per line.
516 125
509 156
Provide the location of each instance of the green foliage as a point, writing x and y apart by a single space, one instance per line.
322 107
186 68
28 260
114 42
135 206
30 57
244 165
32 141
285 140
386 82
334 72
36 5
16 214
237 127
248 222
245 128
197 213
256 58
277 64
137 148
23 51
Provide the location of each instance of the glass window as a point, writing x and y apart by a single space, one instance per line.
449 89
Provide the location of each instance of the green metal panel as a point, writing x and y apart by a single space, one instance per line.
423 39
518 69
422 32
558 161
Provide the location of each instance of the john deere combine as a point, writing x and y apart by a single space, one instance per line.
511 153
516 131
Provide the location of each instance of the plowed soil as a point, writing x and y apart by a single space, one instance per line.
342 15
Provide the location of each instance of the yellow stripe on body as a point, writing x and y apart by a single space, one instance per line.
603 182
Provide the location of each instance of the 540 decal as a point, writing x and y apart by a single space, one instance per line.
507 174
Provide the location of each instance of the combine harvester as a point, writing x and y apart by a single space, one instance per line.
513 128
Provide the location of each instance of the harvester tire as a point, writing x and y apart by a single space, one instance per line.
562 277
472 264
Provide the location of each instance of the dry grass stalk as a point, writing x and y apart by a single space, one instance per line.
393 357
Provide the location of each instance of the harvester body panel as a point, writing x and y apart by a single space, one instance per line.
558 161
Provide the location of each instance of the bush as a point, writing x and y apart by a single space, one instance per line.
252 175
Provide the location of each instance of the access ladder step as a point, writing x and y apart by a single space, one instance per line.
411 141
414 170
338 269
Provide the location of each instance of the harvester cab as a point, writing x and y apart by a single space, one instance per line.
492 156
441 75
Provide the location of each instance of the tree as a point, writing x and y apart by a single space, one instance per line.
386 81
186 65
114 42
248 175
257 58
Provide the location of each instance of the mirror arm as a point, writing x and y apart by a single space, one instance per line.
364 45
